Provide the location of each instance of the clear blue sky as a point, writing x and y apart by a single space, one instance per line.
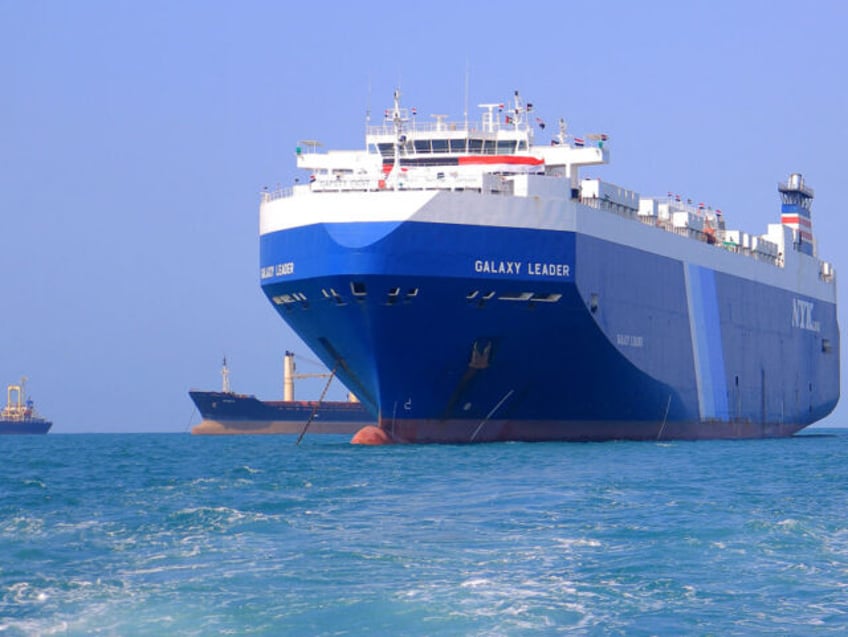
136 136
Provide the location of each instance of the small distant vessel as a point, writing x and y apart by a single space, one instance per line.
19 415
226 412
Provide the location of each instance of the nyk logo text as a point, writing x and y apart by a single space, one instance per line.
802 316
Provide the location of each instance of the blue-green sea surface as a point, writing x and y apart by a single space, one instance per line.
181 535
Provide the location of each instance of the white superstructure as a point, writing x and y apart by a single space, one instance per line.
411 169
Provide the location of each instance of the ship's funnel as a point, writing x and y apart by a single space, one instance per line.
797 199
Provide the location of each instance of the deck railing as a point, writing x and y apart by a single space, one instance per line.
506 187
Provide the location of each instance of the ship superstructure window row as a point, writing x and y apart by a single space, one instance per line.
464 145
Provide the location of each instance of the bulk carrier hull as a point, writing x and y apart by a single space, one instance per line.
16 427
230 413
501 305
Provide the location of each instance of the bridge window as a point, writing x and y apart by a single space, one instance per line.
457 145
506 146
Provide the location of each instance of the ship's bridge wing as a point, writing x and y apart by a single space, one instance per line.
339 160
565 155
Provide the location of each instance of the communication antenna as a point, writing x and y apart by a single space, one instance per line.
400 138
563 128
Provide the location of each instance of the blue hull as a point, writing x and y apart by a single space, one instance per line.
31 426
228 413
457 333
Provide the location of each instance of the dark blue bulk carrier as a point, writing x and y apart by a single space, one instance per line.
468 285
228 412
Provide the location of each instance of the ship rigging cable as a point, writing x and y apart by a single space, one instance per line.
315 408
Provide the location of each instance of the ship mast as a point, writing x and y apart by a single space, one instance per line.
397 121
563 127
22 392
225 378
289 376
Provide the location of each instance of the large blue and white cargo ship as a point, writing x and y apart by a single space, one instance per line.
468 285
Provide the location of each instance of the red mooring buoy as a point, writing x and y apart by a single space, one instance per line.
371 435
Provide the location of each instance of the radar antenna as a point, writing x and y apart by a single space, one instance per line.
398 121
563 127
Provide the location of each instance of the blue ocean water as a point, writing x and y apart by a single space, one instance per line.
181 535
